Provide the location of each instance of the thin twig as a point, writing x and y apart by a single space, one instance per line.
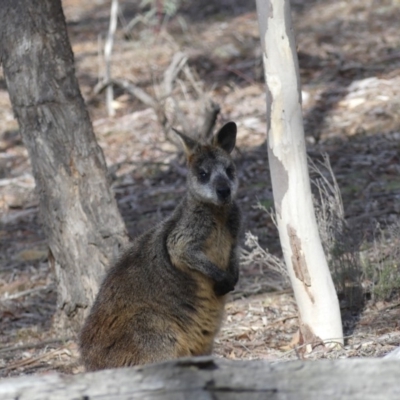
8 349
26 292
107 55
31 360
125 84
99 58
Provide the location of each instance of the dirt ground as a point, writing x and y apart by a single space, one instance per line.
349 54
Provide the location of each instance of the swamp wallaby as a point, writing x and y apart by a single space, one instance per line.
165 297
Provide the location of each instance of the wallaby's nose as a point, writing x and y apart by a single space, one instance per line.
223 192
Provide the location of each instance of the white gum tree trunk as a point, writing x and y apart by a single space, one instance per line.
319 312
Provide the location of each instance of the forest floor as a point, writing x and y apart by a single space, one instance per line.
349 55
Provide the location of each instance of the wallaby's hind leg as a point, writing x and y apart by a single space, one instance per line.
150 346
144 347
140 338
133 347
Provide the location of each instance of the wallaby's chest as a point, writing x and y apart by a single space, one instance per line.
212 238
218 245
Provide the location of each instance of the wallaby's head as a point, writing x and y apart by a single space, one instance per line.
212 174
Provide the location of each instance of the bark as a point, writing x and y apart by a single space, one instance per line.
304 256
78 211
206 378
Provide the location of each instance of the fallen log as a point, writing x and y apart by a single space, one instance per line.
207 378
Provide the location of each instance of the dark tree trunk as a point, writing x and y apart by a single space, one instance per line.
78 211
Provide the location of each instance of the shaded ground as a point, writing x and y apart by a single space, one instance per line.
349 56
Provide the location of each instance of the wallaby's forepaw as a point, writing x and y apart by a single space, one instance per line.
223 287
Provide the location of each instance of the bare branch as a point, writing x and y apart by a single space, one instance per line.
128 86
178 62
43 343
192 80
107 55
158 103
26 292
211 111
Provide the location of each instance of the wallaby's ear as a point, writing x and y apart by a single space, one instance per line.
189 144
226 137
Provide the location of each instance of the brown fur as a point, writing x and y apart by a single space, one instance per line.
165 297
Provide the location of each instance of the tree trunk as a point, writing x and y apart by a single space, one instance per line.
304 256
78 211
205 378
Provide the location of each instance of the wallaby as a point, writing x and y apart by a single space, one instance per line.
165 297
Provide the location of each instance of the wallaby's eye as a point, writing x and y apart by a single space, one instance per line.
203 175
230 172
